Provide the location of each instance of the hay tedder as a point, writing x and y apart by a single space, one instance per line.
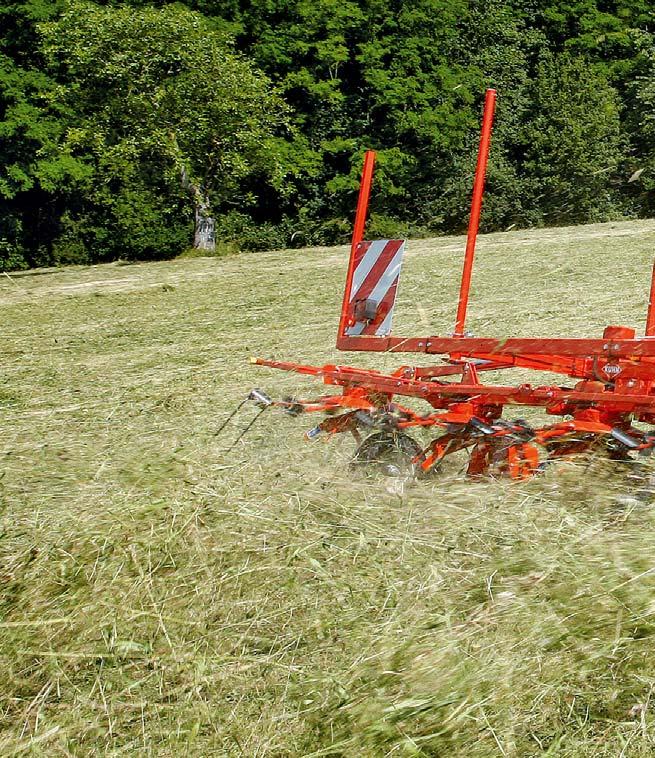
611 379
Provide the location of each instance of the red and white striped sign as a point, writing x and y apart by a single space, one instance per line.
374 284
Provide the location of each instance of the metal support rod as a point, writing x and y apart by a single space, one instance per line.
358 231
245 430
476 206
231 416
650 318
364 195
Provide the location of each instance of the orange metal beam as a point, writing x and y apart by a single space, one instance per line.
476 208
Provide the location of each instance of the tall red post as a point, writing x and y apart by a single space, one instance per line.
650 318
476 207
358 232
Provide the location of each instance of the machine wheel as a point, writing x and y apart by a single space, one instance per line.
639 481
388 453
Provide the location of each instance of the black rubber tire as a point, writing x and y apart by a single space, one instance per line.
388 453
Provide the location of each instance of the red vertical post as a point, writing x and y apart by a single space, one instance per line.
650 318
358 232
362 200
476 207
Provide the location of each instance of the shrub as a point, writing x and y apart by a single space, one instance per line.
11 257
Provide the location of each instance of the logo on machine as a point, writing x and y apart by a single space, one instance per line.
611 369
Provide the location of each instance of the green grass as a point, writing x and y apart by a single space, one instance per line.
158 597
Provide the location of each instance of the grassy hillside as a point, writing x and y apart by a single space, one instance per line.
160 597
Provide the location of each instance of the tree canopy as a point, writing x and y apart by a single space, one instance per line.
138 129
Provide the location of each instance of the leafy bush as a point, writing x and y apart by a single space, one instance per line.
11 257
239 228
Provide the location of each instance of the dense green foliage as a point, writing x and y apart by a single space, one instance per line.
121 124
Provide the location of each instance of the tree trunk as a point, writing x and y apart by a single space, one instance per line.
204 237
204 232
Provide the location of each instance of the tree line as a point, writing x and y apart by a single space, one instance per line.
140 130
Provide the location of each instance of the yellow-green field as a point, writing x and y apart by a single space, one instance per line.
158 597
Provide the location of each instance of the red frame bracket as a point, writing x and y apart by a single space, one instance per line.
551 353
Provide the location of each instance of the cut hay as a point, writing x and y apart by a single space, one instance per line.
158 597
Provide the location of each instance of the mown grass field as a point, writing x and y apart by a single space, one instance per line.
158 597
